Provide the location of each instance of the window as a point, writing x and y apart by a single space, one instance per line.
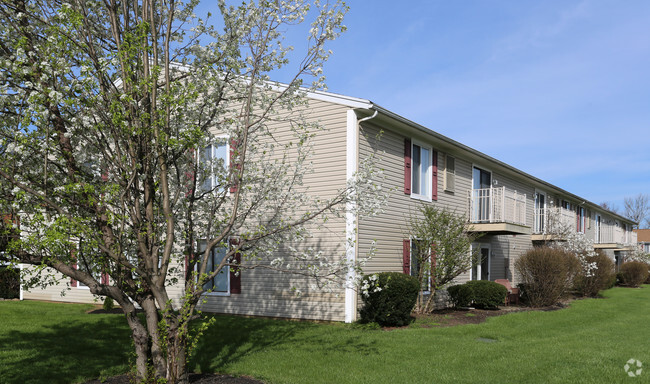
411 262
580 218
228 280
214 161
540 212
420 171
421 178
87 260
219 283
450 173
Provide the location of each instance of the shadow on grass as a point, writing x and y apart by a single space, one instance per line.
231 338
66 352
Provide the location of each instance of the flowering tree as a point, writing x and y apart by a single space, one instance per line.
115 120
571 241
441 250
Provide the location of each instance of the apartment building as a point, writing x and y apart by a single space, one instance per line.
514 210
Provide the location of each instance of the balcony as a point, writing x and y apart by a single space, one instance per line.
551 223
614 237
498 210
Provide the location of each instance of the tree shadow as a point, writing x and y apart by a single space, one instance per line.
66 352
231 338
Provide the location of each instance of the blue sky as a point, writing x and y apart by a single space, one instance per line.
558 89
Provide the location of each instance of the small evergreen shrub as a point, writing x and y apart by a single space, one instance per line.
460 295
108 304
634 273
391 305
603 277
546 275
487 294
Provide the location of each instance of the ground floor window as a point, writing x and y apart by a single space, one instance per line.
220 283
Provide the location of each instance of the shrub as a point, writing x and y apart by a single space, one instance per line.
603 277
460 295
634 273
391 305
487 294
9 283
108 304
546 275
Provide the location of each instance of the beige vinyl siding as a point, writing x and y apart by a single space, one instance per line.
62 291
264 292
390 227
275 294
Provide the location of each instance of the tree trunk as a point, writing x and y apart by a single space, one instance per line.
157 345
176 349
141 343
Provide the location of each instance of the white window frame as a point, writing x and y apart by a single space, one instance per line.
225 270
581 219
598 220
417 171
544 213
219 140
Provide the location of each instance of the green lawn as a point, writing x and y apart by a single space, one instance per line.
589 342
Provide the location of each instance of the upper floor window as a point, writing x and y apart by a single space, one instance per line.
421 178
450 173
214 158
580 219
420 171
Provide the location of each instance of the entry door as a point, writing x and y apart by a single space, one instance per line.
540 212
482 182
481 270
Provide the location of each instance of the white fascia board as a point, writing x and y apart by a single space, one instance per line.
351 156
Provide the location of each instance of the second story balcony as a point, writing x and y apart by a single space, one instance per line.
553 221
610 236
498 210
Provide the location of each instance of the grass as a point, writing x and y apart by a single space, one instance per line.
589 342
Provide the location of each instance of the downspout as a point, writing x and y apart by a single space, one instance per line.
20 280
351 223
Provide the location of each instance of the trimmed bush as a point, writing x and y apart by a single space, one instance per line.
603 277
546 275
391 305
108 304
487 294
460 295
9 283
634 273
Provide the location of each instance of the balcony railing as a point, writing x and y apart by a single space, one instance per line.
554 220
610 234
497 205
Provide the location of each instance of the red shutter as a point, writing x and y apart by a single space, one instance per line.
235 278
434 176
433 258
407 166
105 278
234 165
406 256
